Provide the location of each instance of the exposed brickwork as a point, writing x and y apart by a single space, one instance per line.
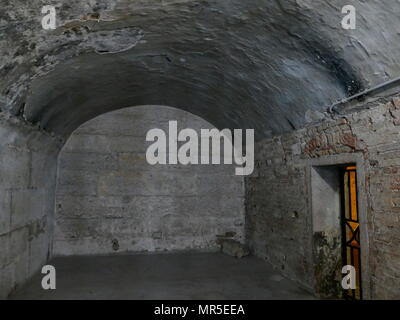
278 215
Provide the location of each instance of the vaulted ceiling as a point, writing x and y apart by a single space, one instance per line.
262 64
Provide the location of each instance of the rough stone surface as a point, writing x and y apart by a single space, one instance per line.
234 248
235 63
268 65
27 183
110 200
278 221
181 276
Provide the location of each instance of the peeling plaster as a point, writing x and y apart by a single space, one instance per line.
237 64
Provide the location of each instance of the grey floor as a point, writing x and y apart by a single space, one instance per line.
163 276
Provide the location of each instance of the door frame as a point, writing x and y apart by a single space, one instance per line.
339 160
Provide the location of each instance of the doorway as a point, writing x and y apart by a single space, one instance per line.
339 228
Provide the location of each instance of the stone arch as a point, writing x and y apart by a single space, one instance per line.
238 64
253 64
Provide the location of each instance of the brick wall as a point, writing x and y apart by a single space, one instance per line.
278 218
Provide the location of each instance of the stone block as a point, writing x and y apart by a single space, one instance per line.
6 281
43 170
39 248
4 250
234 248
14 167
19 244
5 211
27 206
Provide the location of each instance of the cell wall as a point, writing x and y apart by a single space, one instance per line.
278 197
110 200
27 183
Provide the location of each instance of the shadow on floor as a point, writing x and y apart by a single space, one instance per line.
163 276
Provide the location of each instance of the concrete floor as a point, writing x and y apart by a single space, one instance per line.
163 276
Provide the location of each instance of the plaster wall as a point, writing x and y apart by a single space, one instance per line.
110 200
27 184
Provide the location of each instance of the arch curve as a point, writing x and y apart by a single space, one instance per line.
237 64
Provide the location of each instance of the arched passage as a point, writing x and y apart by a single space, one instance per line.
273 66
254 64
112 209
